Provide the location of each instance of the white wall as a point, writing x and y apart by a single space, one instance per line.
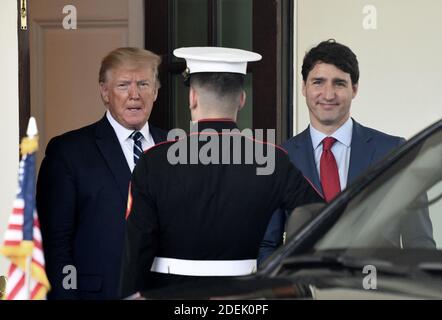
400 87
9 115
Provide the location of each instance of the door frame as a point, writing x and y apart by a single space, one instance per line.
273 75
24 96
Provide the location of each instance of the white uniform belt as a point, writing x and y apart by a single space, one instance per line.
204 267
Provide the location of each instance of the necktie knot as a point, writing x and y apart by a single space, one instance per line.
136 136
327 143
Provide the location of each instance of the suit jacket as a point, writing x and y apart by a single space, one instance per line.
82 193
367 147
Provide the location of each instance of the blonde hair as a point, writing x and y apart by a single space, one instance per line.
131 56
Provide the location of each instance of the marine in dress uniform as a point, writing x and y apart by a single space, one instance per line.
189 221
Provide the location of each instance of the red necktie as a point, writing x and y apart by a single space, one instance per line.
329 170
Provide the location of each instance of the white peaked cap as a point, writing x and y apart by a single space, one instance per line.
216 59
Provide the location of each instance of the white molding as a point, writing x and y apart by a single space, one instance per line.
295 68
55 24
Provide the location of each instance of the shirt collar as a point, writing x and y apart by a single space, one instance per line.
343 134
124 133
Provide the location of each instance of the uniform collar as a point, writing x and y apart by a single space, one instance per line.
217 124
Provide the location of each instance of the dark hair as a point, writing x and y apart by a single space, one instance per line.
220 83
332 52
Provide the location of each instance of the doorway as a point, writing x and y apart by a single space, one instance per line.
58 76
263 26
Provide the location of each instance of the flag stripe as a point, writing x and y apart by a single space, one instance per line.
38 245
19 203
16 219
14 227
17 211
37 234
37 287
12 243
27 226
37 258
17 288
14 235
12 269
14 276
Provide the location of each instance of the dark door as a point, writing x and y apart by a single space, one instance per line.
23 65
263 26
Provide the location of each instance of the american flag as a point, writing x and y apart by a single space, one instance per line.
22 242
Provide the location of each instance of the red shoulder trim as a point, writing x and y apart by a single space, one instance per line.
219 133
238 133
216 120
159 144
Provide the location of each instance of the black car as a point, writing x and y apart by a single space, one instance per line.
379 239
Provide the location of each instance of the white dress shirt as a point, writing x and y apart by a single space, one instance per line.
127 144
341 148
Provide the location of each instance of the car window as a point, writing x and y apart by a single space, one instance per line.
434 196
401 209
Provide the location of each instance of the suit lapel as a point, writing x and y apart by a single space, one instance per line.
304 158
158 135
110 148
362 151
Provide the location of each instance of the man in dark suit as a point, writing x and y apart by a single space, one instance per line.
335 149
82 188
199 207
